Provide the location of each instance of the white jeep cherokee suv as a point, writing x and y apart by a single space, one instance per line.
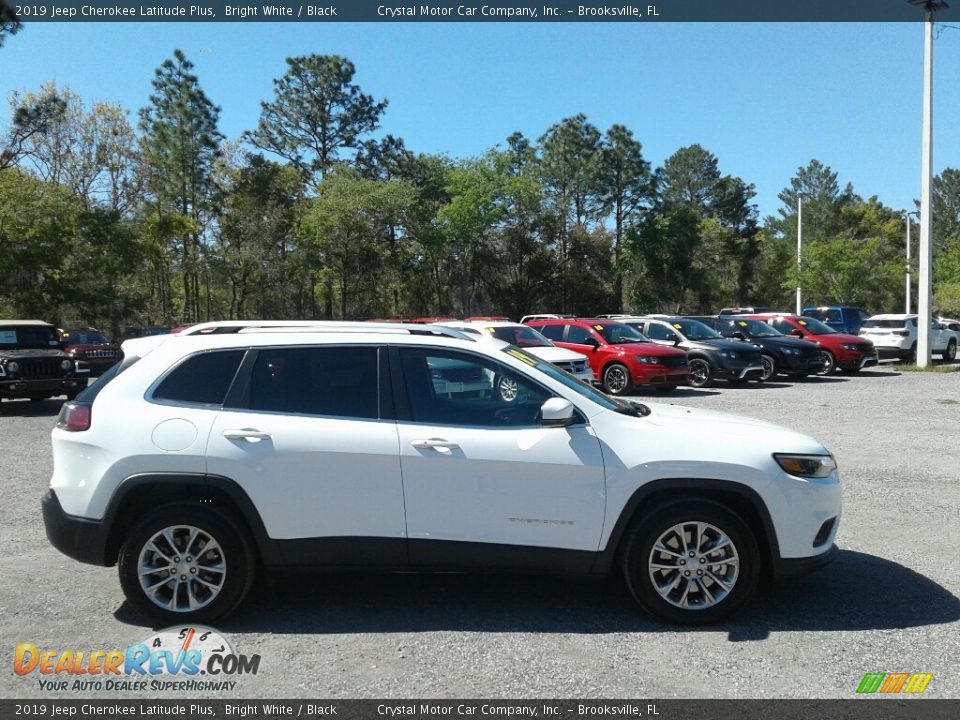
204 456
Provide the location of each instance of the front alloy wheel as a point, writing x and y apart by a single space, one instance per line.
700 373
692 561
184 563
616 379
951 352
829 363
769 367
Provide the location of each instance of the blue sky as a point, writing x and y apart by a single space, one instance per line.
764 98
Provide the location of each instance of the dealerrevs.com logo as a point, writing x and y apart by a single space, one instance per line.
187 659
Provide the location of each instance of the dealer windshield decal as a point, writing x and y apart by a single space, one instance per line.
187 658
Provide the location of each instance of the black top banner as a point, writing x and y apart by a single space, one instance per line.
531 11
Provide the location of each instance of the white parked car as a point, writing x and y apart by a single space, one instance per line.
201 457
895 335
524 336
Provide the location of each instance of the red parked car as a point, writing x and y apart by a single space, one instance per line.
89 345
849 353
620 356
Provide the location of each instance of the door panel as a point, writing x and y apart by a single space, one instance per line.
308 445
478 468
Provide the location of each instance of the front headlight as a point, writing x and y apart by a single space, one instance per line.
850 346
66 365
729 355
806 466
13 366
646 359
793 351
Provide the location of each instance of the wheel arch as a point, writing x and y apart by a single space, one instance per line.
740 498
141 493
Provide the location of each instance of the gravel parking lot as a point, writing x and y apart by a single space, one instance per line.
889 603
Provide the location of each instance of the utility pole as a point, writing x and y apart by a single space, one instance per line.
799 250
926 175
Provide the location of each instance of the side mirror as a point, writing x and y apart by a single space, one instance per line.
556 412
797 332
739 336
592 342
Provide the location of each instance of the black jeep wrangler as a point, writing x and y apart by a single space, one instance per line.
33 364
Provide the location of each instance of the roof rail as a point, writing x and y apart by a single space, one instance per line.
339 326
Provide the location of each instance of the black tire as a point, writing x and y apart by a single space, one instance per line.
701 374
950 354
769 367
647 532
616 379
911 355
666 389
237 558
830 363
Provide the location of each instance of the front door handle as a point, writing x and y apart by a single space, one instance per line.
248 434
438 444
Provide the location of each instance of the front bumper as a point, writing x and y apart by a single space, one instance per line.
797 567
858 360
794 365
78 538
49 387
740 372
660 375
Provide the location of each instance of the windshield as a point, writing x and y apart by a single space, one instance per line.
90 338
26 336
695 330
519 335
754 328
815 327
619 333
578 386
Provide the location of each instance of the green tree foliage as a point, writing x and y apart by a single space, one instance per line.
348 221
698 247
62 261
180 145
9 23
258 242
31 118
317 112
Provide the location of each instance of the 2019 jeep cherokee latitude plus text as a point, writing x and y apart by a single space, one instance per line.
201 457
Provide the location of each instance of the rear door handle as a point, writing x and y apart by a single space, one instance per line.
438 444
248 434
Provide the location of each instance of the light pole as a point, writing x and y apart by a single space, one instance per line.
926 174
799 250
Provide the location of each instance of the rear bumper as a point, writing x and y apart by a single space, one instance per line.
78 538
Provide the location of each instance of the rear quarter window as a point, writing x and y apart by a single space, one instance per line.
202 379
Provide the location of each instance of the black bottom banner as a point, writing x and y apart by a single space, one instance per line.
878 708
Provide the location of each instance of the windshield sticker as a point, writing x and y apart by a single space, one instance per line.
522 357
490 330
802 322
678 326
598 328
741 323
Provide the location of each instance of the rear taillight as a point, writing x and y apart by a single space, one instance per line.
901 332
74 416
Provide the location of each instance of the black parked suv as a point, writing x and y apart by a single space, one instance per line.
779 353
33 364
711 356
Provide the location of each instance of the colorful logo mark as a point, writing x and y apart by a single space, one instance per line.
891 683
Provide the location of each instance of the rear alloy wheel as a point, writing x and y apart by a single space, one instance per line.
701 375
769 367
829 363
185 564
950 354
616 379
691 562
